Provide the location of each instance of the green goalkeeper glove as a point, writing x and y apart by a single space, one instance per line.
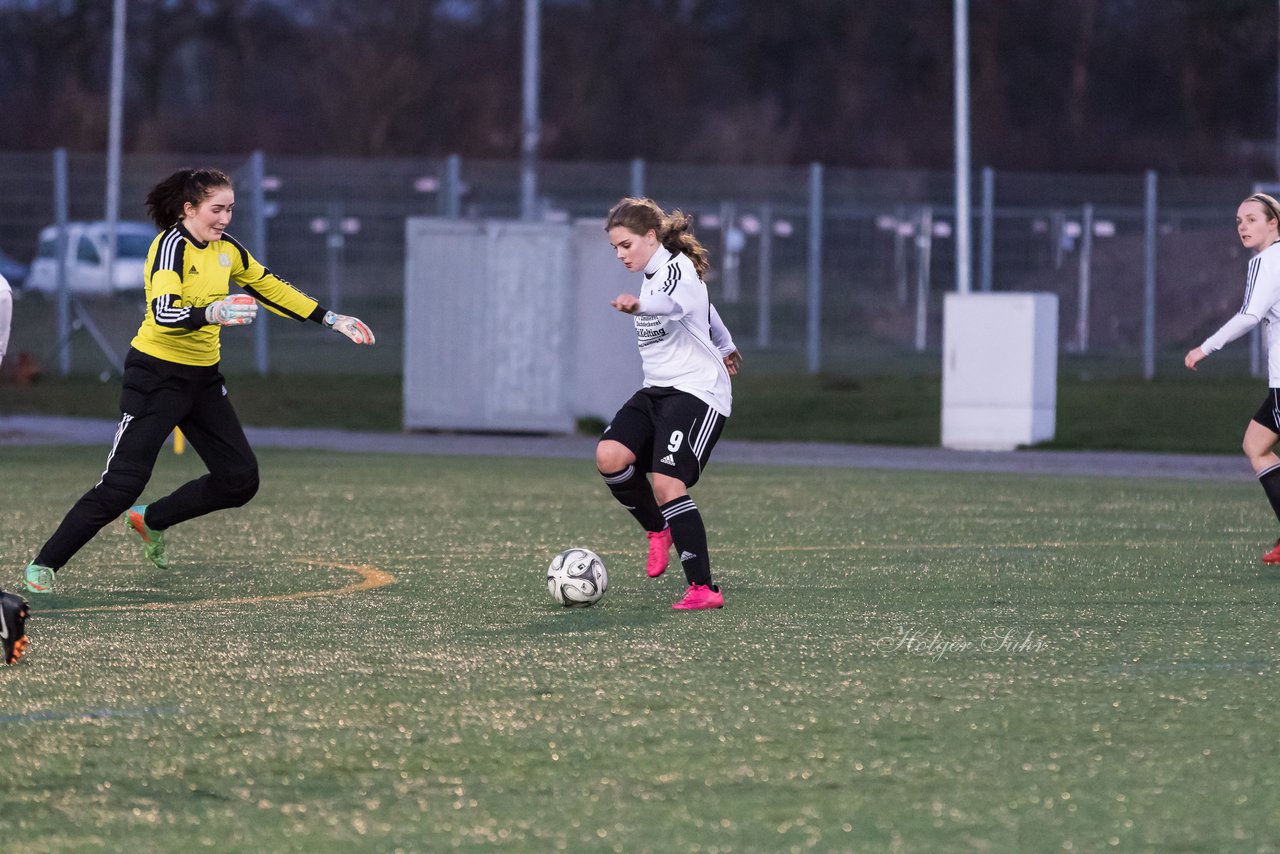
352 327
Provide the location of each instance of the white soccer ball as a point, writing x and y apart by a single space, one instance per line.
577 578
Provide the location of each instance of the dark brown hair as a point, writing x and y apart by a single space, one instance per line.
674 230
166 199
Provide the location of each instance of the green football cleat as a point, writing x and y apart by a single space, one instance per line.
38 579
152 540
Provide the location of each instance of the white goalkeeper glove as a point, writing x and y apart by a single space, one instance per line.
352 327
237 310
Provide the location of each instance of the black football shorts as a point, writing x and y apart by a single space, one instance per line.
670 431
1268 414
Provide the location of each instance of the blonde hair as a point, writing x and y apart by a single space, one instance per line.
1268 203
674 230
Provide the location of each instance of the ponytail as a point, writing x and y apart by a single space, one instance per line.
674 230
166 201
677 236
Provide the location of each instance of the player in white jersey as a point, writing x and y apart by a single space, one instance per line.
6 315
13 608
669 427
1258 224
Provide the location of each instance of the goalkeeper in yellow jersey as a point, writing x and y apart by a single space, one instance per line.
171 375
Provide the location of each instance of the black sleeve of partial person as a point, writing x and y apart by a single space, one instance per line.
318 314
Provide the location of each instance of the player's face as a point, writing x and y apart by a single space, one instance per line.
1255 230
634 250
208 220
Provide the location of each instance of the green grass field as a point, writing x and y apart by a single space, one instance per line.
366 658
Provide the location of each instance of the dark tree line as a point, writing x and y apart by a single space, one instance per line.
1184 86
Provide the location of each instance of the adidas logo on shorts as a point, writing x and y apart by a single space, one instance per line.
668 460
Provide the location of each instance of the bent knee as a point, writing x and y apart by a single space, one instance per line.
239 488
613 456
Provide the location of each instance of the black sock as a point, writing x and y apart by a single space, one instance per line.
633 492
1270 480
690 538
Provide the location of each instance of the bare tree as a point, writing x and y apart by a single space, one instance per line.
1057 84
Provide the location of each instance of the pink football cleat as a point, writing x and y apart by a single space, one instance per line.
699 597
659 550
1272 556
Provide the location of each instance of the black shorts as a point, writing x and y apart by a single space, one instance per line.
1268 414
671 432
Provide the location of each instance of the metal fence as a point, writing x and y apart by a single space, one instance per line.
813 268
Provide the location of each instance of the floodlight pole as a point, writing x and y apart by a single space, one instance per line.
530 129
813 326
964 210
115 122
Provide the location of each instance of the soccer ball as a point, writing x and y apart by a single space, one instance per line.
577 578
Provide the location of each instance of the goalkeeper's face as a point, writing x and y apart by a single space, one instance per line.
208 220
633 250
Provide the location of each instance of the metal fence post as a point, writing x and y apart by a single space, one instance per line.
333 244
451 192
764 284
1149 279
815 269
60 243
531 123
1086 262
730 245
1057 228
924 248
258 207
901 231
637 178
988 227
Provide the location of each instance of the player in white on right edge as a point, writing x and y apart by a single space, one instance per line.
1258 226
669 427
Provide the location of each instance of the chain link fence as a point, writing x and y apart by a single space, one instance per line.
871 304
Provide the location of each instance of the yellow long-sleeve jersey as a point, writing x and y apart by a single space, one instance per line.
183 275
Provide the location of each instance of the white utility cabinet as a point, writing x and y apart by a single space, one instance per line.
999 370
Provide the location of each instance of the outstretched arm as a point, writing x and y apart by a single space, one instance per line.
1228 332
352 327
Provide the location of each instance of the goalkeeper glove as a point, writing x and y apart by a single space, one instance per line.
352 327
236 310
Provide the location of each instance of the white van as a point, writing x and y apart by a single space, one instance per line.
86 251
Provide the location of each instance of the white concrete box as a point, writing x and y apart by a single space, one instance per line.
999 370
